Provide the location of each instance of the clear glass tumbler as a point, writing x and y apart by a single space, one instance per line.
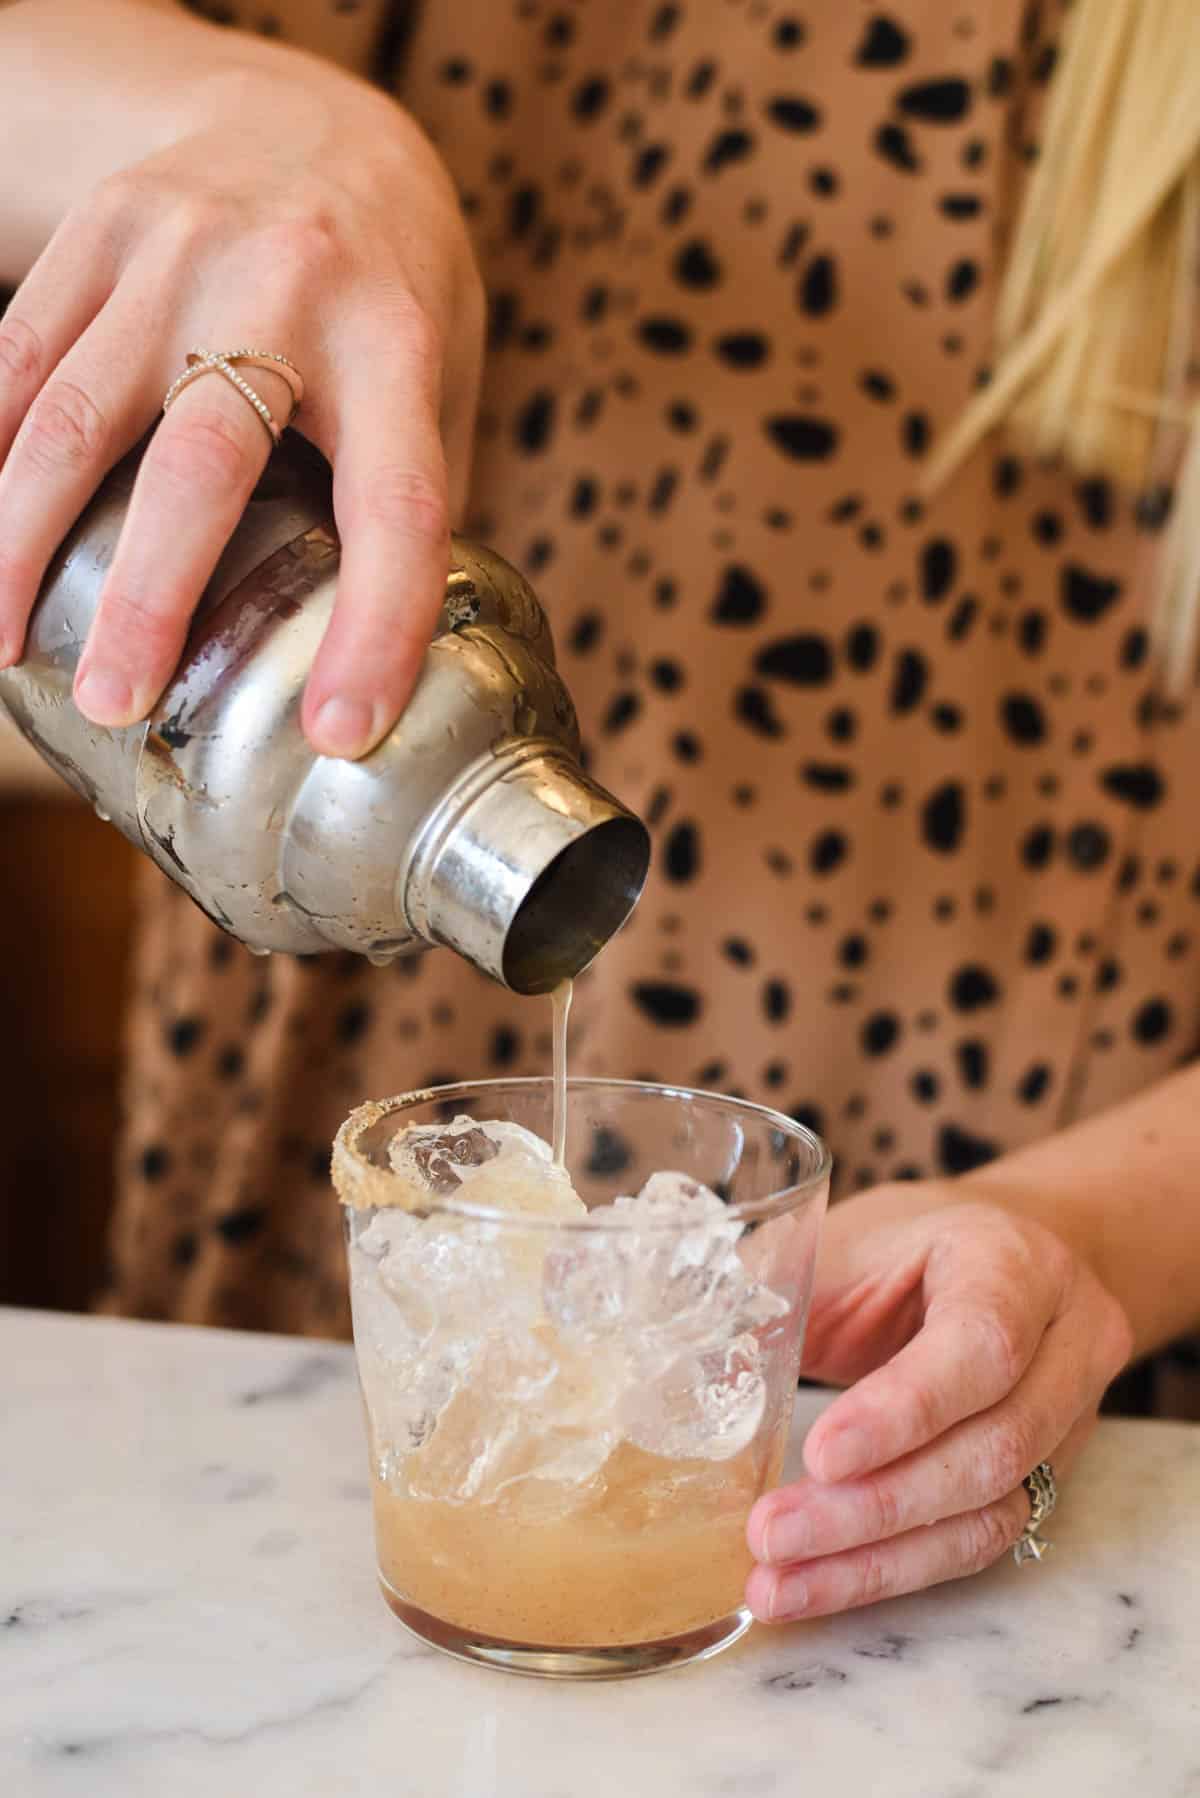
570 1419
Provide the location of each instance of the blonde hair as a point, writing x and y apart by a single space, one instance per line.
1094 323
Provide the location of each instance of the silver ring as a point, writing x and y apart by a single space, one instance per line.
1043 1496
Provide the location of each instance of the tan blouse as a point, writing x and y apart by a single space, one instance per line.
927 863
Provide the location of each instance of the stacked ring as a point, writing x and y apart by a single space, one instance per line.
226 362
1043 1496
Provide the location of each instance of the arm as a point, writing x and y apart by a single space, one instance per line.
1121 1189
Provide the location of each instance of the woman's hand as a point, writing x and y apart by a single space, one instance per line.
298 212
975 1345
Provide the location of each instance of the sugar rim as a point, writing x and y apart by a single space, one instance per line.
361 1185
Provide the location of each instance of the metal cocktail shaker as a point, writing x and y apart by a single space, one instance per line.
472 824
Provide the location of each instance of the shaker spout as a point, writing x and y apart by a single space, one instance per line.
528 869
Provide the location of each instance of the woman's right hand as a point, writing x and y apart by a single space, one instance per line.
303 213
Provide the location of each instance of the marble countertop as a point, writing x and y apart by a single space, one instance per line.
188 1606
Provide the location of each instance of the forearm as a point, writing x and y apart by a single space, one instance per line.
92 86
1122 1189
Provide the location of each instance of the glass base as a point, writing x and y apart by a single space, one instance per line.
612 1662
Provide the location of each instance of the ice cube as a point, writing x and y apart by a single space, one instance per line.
454 1462
665 1289
495 1163
672 1193
432 1295
406 1381
686 1278
375 1234
521 1180
757 1306
695 1288
705 1407
518 1369
524 1186
511 1138
628 1275
586 1283
421 1291
434 1157
527 1415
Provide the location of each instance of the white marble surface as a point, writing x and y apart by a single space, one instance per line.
188 1606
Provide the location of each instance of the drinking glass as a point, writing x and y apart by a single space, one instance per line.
570 1417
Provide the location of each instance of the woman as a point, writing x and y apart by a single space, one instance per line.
926 871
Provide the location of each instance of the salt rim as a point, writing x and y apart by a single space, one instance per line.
357 1181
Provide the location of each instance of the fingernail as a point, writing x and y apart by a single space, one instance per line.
789 1596
787 1537
343 727
845 1454
104 696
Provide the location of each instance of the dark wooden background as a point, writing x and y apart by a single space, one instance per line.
66 903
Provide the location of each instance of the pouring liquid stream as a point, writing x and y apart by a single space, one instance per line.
560 1000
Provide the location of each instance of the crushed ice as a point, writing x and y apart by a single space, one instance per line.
493 1357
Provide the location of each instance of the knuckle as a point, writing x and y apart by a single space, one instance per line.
64 428
129 200
18 579
21 353
925 1414
1116 1335
987 1535
1056 1261
875 1578
309 241
399 323
148 627
885 1513
197 216
205 452
116 196
1011 1452
423 337
404 500
1002 1341
117 209
186 223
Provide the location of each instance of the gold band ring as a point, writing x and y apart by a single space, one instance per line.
225 362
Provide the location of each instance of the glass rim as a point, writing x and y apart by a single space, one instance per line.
771 1205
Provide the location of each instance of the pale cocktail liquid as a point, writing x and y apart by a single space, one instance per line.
661 1550
560 999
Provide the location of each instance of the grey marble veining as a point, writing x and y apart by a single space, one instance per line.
188 1606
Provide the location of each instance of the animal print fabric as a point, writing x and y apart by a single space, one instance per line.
926 870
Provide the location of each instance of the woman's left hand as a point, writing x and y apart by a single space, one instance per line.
975 1345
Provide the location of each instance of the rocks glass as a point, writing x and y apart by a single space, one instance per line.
577 1385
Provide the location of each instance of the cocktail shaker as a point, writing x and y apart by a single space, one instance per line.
472 824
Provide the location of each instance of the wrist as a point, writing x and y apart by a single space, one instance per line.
291 107
1013 1186
1002 1187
